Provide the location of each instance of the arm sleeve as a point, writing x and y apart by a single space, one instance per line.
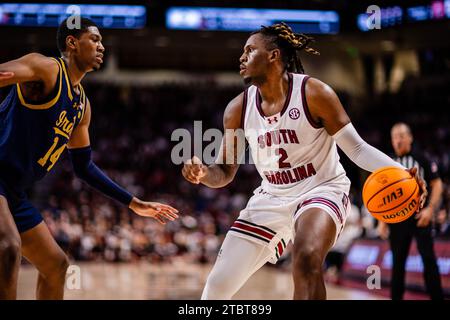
86 170
360 152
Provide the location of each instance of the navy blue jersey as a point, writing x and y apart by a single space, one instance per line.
33 137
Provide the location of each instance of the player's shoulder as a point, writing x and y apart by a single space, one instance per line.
320 97
317 88
44 67
40 60
37 56
236 103
233 112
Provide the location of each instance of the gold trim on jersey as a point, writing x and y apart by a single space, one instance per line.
44 106
68 83
83 100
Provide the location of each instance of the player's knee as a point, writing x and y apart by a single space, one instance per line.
59 265
10 254
307 260
62 264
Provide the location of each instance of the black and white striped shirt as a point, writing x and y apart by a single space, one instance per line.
428 170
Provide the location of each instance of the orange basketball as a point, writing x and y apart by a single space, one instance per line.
391 194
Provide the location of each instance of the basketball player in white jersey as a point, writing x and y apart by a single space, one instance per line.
292 123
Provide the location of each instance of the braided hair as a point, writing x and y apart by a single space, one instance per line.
280 36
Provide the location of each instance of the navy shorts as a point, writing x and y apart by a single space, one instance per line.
25 215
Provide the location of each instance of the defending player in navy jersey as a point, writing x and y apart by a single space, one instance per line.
46 111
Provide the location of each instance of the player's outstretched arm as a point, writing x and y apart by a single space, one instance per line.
327 110
29 68
224 169
85 169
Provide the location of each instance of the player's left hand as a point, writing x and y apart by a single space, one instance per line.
155 210
423 187
424 217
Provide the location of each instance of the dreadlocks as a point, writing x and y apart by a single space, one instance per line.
282 37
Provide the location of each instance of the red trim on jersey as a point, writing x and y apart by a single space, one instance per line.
249 234
258 104
256 225
286 103
306 108
280 248
244 108
288 97
325 202
262 233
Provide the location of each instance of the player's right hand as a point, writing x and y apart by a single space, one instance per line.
193 170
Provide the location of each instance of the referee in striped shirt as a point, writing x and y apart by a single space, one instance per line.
418 225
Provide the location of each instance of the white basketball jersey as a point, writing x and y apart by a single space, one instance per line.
292 154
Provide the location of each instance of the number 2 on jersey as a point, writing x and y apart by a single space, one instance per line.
283 156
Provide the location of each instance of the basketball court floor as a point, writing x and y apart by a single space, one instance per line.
143 281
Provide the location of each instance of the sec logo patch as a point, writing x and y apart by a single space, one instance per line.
294 113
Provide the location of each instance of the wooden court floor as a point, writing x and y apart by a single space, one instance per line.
142 281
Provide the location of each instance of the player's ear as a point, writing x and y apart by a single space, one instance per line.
274 55
71 42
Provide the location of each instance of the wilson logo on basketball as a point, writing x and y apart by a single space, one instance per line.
411 207
294 114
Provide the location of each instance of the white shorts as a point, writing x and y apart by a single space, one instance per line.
270 220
